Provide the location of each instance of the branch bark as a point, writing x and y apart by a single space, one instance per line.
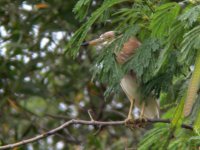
83 122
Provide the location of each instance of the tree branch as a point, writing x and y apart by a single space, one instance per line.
83 122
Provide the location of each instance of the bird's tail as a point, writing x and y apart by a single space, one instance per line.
151 108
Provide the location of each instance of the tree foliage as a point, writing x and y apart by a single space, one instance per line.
169 32
46 77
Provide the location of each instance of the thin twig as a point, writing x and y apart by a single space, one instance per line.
168 121
90 114
83 122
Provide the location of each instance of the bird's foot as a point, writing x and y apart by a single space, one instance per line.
135 123
140 122
129 122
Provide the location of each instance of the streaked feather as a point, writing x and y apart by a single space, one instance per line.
129 48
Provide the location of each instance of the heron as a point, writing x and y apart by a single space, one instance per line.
149 107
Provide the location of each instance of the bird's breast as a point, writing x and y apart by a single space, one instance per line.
130 86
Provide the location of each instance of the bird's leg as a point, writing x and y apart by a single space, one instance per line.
142 120
130 117
142 111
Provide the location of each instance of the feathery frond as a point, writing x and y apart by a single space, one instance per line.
81 8
178 115
170 36
143 62
189 44
76 41
190 16
197 124
152 137
164 18
105 68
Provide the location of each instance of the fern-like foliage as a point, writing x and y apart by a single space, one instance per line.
81 8
151 139
185 140
143 62
164 18
190 16
172 43
105 68
181 139
197 124
170 36
178 115
75 42
138 13
189 44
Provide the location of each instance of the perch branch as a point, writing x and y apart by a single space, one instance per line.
83 122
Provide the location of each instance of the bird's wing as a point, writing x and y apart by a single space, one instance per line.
131 88
128 50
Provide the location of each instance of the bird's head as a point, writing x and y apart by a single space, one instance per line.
129 48
103 38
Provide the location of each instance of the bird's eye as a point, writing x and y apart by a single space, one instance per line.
108 37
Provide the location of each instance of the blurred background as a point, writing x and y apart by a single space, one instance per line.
41 87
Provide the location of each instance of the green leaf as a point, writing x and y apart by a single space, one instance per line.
173 41
81 8
164 18
190 42
190 16
76 41
105 68
152 137
143 62
178 115
197 124
193 87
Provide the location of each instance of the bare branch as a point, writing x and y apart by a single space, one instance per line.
53 131
83 122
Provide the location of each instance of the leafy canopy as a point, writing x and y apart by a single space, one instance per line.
170 35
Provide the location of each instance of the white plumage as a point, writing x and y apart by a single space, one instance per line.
130 86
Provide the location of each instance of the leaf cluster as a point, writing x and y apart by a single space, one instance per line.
170 40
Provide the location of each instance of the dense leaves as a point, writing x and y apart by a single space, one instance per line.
46 77
163 19
163 62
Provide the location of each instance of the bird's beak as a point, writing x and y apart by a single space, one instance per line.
94 42
106 37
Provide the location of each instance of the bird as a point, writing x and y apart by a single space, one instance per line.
149 108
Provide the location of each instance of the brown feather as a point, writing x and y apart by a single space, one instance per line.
129 48
130 84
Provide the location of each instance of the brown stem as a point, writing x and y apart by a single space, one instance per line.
83 122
